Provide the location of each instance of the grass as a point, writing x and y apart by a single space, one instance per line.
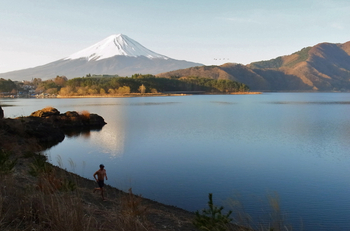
51 200
273 218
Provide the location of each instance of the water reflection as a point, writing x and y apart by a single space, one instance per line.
153 103
111 139
80 131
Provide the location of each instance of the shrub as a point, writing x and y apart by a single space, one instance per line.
212 219
85 115
6 165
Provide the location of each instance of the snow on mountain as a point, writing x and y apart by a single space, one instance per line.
116 54
114 45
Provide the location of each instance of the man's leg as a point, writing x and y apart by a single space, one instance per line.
100 185
102 189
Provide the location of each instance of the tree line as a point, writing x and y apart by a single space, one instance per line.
115 85
148 84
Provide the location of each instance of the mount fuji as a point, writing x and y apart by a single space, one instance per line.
116 54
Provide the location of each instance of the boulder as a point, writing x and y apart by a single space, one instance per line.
48 111
96 120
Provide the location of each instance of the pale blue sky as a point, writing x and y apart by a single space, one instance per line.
36 32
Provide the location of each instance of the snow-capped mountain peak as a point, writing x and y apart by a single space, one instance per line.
112 46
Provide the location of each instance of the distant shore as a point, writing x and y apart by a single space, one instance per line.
153 94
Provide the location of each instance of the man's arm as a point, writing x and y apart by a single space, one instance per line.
106 175
95 174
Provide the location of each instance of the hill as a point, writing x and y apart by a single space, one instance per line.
323 67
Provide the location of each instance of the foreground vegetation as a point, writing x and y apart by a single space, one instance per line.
43 197
115 85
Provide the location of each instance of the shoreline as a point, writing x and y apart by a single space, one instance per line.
152 95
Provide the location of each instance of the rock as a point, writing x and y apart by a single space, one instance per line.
70 122
1 113
72 114
48 111
70 119
96 120
47 127
46 133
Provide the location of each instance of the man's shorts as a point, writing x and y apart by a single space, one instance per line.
101 183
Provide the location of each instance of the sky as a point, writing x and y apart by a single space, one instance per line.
37 32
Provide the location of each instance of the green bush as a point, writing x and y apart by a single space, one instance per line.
6 165
212 219
39 165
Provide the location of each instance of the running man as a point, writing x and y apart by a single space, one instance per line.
101 174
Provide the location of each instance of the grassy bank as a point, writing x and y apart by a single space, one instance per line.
35 195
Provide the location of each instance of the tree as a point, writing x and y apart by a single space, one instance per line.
211 219
52 91
142 89
7 85
92 91
111 91
102 91
66 91
123 90
60 80
36 81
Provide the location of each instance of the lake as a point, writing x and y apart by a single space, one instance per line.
245 149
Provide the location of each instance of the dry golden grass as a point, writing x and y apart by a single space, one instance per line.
41 204
47 109
85 115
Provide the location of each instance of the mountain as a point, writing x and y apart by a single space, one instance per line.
116 54
323 67
115 45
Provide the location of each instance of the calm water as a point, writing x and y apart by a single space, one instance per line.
176 150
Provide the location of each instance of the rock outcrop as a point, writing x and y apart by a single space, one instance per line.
70 119
46 128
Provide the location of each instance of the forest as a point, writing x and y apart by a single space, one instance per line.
115 85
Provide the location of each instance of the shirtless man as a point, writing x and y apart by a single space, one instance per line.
101 174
